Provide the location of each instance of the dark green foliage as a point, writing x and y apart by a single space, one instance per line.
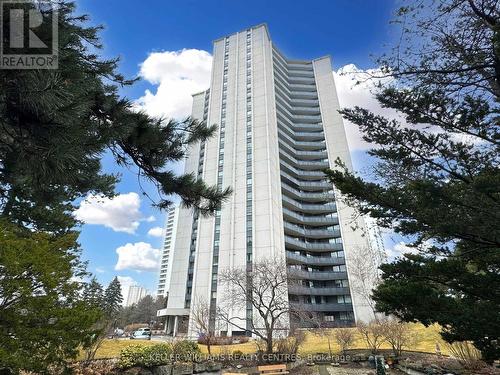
43 319
112 299
58 124
437 178
159 354
55 127
93 293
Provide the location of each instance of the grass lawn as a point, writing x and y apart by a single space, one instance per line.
111 348
426 339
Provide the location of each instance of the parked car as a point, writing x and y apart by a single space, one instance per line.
141 334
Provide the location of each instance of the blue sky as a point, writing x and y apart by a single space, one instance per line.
348 30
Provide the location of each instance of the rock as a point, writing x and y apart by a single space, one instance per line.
213 366
162 370
200 367
137 371
183 369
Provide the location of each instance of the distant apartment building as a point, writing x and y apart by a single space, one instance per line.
167 251
135 294
278 129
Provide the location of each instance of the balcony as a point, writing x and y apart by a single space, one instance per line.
304 109
312 136
288 93
307 185
300 66
314 261
281 110
317 275
294 87
295 217
286 123
302 195
303 164
322 307
296 230
301 73
301 145
294 244
304 155
302 174
308 208
300 290
304 102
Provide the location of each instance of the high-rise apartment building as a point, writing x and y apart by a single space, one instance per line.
135 294
167 251
278 129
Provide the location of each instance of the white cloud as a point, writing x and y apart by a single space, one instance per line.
120 213
155 232
401 248
126 282
177 75
150 219
355 89
139 256
100 270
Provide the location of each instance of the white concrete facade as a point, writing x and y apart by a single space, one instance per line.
278 129
169 234
135 294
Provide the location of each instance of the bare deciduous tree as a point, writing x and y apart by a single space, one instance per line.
398 334
200 315
344 337
320 327
265 289
365 275
372 333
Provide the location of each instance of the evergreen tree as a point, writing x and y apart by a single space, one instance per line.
43 318
436 179
58 124
112 299
93 293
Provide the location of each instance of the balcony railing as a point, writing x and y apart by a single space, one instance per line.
294 193
315 261
303 164
296 230
322 307
309 208
311 220
317 275
295 244
302 174
304 290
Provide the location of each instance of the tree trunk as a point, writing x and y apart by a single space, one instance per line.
329 347
269 345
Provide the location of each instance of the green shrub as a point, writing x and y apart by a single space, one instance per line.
160 354
145 356
185 351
